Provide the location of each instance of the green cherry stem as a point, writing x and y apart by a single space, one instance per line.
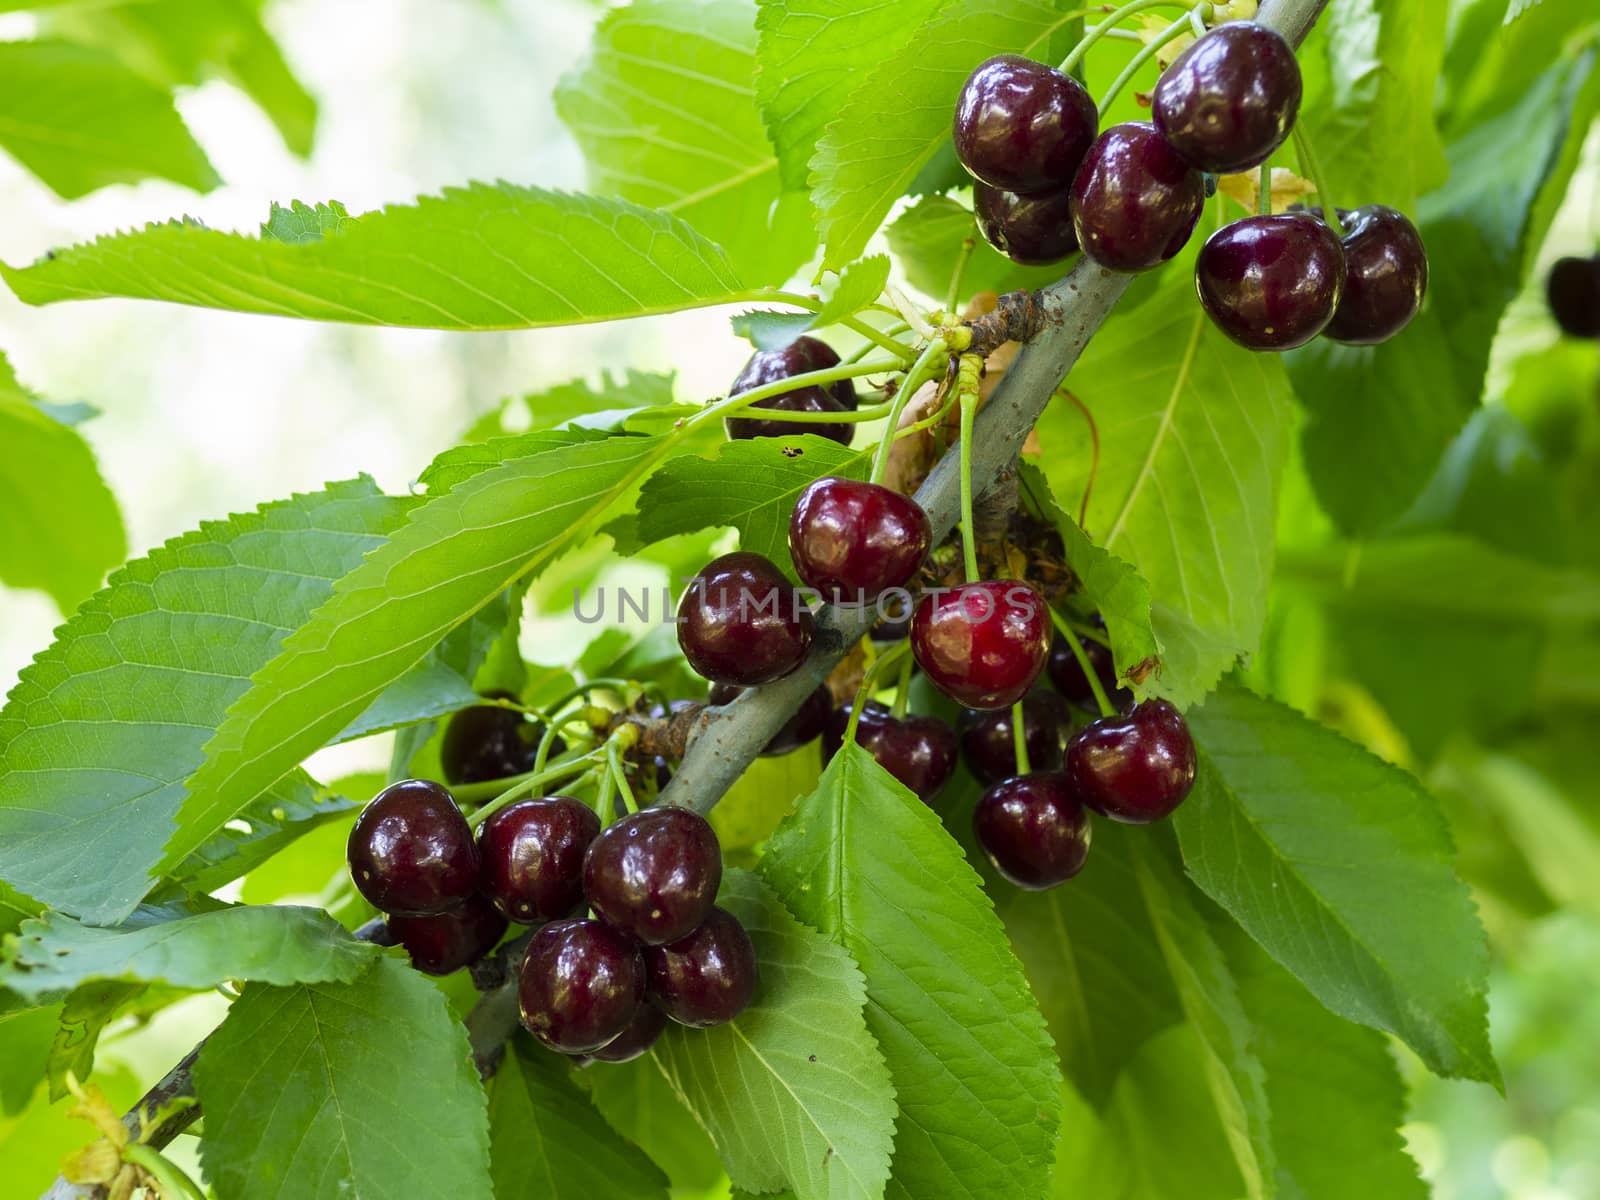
902 693
928 365
953 296
884 340
778 387
1114 18
1019 738
1264 188
1177 29
1310 166
869 681
969 539
171 1181
522 785
1070 636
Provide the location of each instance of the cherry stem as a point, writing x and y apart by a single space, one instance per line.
869 680
969 536
902 693
1177 29
1310 166
1121 35
170 1179
778 387
1116 16
624 794
873 334
921 371
1019 737
522 785
1070 635
894 331
1264 190
953 296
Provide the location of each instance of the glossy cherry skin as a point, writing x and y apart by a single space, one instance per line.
1573 290
1021 125
705 978
804 727
741 622
1033 828
654 874
769 366
919 751
445 943
1067 677
581 985
1032 230
531 857
1136 767
1229 100
1271 282
1135 201
411 852
988 745
852 540
641 1033
488 742
806 354
1385 276
982 644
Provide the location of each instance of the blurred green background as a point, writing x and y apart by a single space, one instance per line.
205 413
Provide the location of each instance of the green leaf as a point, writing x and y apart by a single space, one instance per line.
857 286
64 549
1336 1095
84 1017
458 552
870 866
272 944
794 1092
301 222
101 731
637 1102
1114 589
27 1034
479 257
548 1143
1382 932
665 112
926 240
311 1093
1233 1075
1374 131
751 485
813 55
899 113
186 42
579 402
1193 436
1395 407
80 120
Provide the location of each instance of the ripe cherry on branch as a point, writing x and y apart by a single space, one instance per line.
851 541
1136 767
707 977
988 741
982 644
740 621
1386 275
580 986
1033 828
803 355
1271 282
1135 201
1228 101
411 852
445 943
1022 126
1033 230
1573 292
920 751
654 874
486 742
1066 672
531 856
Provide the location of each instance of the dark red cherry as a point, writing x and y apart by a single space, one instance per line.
1034 829
1135 201
919 751
1136 767
1385 276
982 644
531 857
806 354
1271 282
799 730
636 1039
445 943
411 851
769 366
988 744
654 874
1229 100
705 978
852 540
1032 230
741 622
581 985
1021 125
1573 290
1067 676
488 742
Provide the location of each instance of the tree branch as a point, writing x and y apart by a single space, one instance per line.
1057 322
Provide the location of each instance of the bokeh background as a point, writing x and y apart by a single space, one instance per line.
205 413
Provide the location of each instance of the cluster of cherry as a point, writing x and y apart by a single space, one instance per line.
602 987
1130 197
